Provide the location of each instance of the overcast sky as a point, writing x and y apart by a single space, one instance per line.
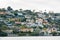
53 5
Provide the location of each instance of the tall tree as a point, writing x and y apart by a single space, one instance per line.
20 10
0 9
9 8
3 9
15 12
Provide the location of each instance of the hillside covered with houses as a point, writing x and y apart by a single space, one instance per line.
28 23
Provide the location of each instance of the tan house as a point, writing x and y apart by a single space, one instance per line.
14 19
49 30
26 29
39 20
45 22
8 31
52 30
3 13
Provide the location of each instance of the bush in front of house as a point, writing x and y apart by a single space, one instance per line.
3 34
34 34
54 33
22 34
15 31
